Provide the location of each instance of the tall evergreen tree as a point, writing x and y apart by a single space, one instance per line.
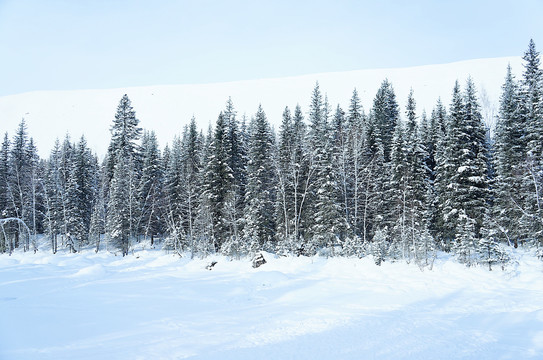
192 167
260 221
448 162
150 187
81 191
285 193
463 171
355 161
218 179
125 131
124 148
20 179
509 164
386 114
417 185
174 196
119 216
532 111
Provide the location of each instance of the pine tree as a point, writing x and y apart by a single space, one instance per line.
124 148
433 141
98 221
466 246
340 164
36 196
20 179
448 162
236 158
417 184
532 100
237 162
490 251
80 192
124 134
118 216
374 201
322 198
218 179
53 197
386 115
150 187
477 192
463 171
532 111
192 167
260 221
398 190
509 160
283 163
204 216
355 162
294 175
330 225
174 196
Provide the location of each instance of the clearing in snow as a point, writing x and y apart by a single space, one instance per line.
152 305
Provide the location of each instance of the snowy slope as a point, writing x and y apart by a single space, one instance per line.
166 109
150 305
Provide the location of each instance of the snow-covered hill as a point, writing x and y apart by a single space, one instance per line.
150 305
166 109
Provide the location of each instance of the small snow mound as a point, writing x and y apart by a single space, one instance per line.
268 278
93 270
163 260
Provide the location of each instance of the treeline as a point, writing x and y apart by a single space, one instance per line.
330 181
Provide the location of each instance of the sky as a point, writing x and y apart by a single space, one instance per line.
68 45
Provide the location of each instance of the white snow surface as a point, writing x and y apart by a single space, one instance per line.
167 109
152 305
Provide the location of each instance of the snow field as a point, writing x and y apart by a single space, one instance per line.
152 305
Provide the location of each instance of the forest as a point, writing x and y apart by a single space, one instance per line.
329 181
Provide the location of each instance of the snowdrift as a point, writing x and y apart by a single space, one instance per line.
152 305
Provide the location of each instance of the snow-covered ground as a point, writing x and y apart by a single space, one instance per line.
152 305
167 109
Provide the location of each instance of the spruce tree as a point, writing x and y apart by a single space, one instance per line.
174 196
418 182
283 163
80 192
150 187
218 179
340 165
118 216
448 161
532 111
192 167
386 114
463 172
125 131
397 192
20 179
355 161
509 161
54 198
260 221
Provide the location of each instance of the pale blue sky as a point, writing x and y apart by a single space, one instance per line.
82 44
